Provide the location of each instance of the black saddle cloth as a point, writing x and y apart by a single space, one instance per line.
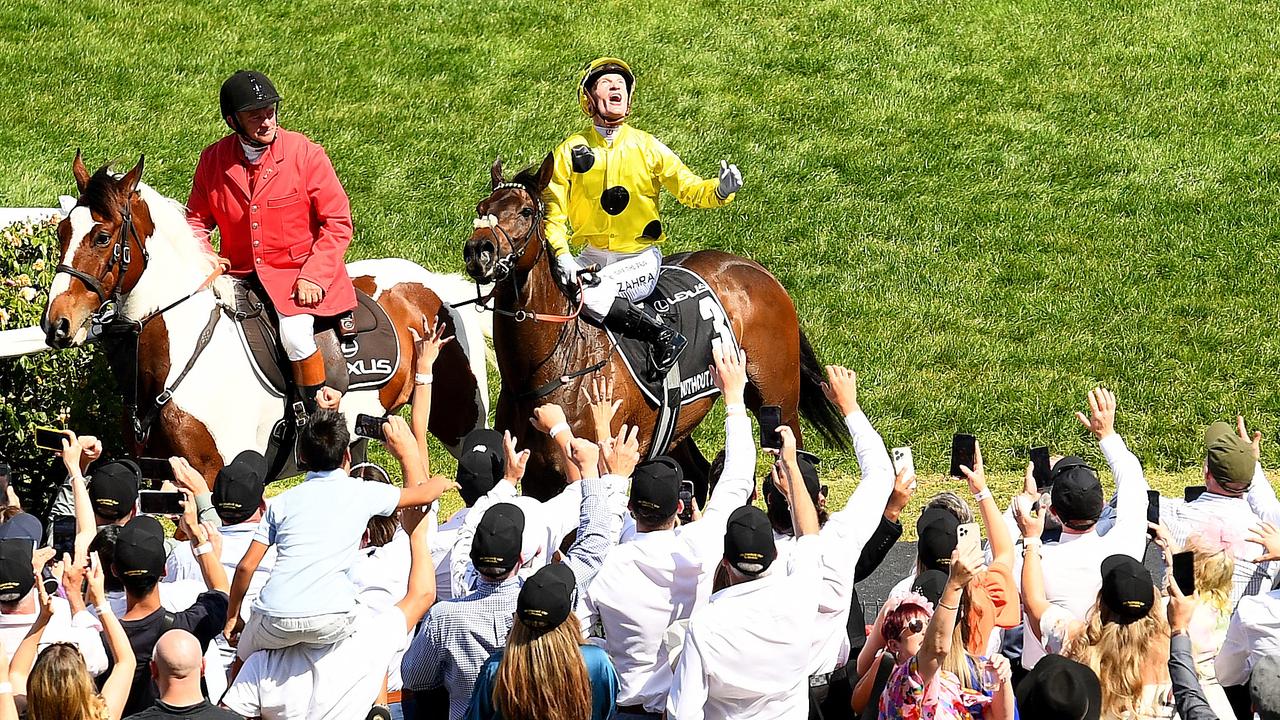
684 301
367 360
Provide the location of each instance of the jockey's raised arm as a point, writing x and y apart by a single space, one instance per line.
603 195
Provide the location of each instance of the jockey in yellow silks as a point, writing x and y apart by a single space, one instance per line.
604 194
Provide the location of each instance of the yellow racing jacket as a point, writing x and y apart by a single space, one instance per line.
608 193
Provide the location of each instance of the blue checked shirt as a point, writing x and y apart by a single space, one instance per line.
459 635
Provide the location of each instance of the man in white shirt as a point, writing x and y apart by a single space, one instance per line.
842 536
662 575
1074 578
342 681
1237 495
1254 633
70 623
747 651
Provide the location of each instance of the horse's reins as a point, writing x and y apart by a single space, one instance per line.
109 317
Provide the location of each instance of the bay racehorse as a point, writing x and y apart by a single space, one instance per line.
130 259
508 248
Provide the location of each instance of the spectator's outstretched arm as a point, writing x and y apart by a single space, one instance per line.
804 515
115 691
86 527
188 478
888 530
419 490
550 419
588 551
206 546
426 349
1261 496
247 566
738 478
421 592
997 531
855 522
1131 485
1034 600
1187 694
937 636
598 399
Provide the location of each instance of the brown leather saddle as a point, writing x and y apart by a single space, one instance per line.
361 349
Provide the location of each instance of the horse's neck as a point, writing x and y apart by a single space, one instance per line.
176 264
534 350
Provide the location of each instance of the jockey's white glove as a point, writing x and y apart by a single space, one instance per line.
730 180
567 271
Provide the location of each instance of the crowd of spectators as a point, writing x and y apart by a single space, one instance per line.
347 597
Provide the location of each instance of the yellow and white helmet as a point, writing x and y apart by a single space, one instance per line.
593 71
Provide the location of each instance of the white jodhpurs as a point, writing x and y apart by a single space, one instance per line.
298 335
630 275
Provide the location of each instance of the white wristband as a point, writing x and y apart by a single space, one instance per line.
735 409
983 495
1028 543
203 549
558 428
422 379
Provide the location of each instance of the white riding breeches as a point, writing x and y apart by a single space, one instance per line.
297 335
630 275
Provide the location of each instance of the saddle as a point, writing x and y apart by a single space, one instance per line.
361 350
684 301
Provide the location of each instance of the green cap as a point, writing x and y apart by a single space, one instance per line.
1229 457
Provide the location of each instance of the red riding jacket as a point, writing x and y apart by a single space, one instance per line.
294 223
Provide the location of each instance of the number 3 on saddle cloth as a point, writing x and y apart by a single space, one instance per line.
363 354
684 301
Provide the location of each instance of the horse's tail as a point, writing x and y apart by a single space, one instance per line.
821 413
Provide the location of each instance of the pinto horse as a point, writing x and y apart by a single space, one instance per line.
511 251
129 257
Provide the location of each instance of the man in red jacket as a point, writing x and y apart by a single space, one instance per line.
283 216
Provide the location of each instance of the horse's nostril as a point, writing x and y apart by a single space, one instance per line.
64 328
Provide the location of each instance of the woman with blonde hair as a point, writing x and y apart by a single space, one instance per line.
58 686
545 672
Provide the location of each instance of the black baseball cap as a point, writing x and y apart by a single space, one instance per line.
930 584
16 575
1077 494
481 465
497 542
937 532
1127 590
1059 688
22 527
237 491
546 599
748 541
139 551
113 488
655 487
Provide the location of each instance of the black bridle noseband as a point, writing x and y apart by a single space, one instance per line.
121 257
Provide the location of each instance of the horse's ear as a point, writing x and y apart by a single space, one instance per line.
545 171
82 174
131 178
495 174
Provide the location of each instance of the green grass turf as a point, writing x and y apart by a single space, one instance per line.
985 208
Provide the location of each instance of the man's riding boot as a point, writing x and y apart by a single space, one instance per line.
665 344
308 375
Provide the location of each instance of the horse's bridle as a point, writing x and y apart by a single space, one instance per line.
121 257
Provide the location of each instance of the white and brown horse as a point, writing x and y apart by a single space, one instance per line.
124 244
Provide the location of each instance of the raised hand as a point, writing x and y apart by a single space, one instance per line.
327 398
788 452
426 348
547 417
1268 536
622 453
1030 524
1255 440
965 567
598 398
516 459
976 476
586 455
187 477
729 372
841 389
90 450
1102 413
71 451
399 439
904 486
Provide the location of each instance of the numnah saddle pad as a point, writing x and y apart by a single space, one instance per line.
368 360
682 300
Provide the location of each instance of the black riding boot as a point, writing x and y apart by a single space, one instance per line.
665 344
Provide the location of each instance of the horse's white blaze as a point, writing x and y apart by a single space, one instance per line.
82 223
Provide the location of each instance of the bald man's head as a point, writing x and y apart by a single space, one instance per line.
177 656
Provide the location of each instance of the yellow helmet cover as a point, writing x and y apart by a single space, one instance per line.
598 67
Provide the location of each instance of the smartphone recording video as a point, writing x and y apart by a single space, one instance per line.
770 420
48 438
159 502
370 426
1040 466
155 468
686 501
964 451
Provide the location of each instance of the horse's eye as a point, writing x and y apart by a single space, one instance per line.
102 238
526 212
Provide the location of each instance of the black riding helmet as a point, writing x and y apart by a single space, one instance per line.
245 90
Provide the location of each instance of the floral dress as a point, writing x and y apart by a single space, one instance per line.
906 697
